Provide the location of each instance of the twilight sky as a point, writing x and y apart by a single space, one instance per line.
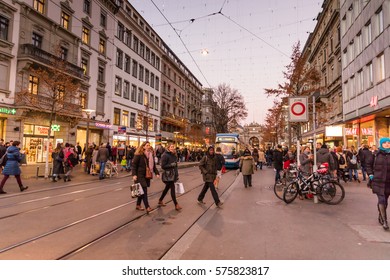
249 42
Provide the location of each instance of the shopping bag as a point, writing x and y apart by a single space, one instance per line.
136 190
179 188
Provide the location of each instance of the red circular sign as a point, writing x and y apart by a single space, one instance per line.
300 110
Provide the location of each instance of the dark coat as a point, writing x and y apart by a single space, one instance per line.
278 159
167 160
58 167
103 155
364 155
208 168
323 155
220 161
138 168
306 163
12 165
379 166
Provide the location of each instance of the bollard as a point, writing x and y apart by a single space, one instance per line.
315 198
37 171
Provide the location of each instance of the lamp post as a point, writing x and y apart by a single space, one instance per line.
176 133
88 112
286 107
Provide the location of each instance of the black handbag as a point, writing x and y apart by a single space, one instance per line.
168 175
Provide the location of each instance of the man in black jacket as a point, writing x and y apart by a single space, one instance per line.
208 168
278 162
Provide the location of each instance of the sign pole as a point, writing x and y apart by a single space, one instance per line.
314 134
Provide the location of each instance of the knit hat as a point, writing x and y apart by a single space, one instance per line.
383 140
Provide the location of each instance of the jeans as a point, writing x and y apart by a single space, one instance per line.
364 172
353 171
102 166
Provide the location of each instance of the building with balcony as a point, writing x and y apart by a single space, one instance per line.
365 38
323 52
181 103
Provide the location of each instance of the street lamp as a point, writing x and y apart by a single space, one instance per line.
176 133
88 112
286 107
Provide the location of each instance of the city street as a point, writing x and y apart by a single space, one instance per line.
91 219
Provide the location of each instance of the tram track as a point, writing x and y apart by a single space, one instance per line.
36 238
129 223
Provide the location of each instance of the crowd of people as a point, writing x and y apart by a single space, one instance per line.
343 164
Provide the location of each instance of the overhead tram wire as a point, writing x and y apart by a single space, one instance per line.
253 34
185 46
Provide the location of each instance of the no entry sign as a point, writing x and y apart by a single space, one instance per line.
298 109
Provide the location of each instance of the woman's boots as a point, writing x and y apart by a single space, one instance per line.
23 188
382 213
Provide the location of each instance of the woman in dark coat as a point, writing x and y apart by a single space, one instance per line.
12 167
141 160
169 164
278 162
58 159
88 159
378 169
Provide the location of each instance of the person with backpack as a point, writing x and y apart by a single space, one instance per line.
378 170
12 166
341 163
352 164
323 155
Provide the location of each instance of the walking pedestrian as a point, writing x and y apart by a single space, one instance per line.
365 154
247 164
102 157
12 166
278 162
261 159
352 164
141 162
378 170
58 159
220 164
255 155
170 175
208 168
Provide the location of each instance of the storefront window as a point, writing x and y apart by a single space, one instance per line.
367 133
34 143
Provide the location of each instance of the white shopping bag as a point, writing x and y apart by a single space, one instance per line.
179 188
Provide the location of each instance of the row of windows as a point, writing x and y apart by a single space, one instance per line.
127 119
136 94
131 66
132 41
373 72
373 28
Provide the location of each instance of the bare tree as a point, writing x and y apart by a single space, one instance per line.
57 92
229 108
274 123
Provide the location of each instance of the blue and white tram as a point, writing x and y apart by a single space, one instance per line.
231 146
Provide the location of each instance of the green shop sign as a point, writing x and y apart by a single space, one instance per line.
7 111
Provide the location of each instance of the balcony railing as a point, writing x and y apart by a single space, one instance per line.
47 58
45 103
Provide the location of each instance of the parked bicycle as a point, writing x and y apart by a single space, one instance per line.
287 176
318 183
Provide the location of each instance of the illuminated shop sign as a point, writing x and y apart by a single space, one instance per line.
351 131
367 131
55 127
7 111
103 125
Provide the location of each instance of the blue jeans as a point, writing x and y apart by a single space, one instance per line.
364 172
102 166
353 171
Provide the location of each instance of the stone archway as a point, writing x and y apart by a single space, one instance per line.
254 142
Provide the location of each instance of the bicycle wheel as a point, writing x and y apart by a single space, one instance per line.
290 192
331 192
279 188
